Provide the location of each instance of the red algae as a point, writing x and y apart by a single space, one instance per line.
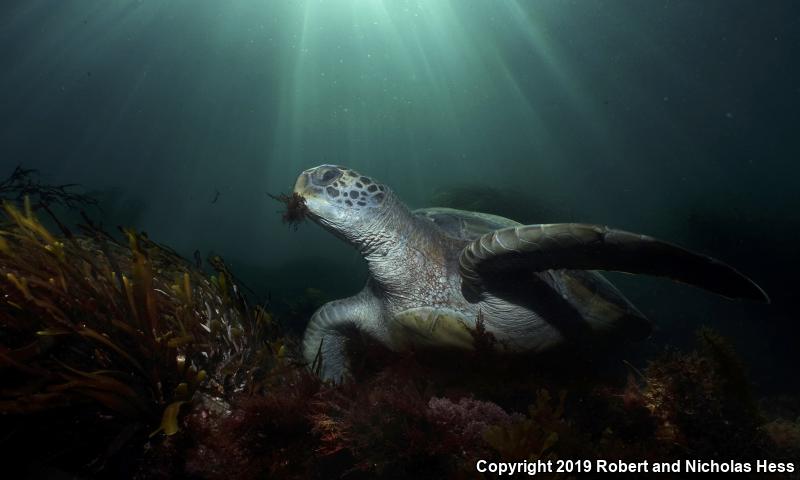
296 209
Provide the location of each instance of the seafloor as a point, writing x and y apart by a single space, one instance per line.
118 358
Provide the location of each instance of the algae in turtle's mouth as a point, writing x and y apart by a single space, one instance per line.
296 209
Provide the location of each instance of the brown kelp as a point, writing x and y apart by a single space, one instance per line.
123 336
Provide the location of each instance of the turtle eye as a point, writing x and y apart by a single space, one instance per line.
325 176
329 176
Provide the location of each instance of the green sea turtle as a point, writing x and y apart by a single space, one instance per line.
434 271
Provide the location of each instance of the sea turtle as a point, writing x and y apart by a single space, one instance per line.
433 272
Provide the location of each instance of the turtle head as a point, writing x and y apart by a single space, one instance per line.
343 200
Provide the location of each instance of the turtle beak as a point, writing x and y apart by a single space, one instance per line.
301 186
304 188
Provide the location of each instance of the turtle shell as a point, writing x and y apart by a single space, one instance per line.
463 224
587 292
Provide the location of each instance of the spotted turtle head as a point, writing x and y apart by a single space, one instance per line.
342 199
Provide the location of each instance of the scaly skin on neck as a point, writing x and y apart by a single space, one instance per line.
408 258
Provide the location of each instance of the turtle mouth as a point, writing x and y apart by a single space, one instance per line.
304 196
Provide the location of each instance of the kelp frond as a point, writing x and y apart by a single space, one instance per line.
132 329
23 184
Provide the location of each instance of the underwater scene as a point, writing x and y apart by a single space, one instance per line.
399 238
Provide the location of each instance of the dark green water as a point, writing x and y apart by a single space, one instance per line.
678 119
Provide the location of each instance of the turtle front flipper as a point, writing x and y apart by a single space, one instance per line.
325 338
591 247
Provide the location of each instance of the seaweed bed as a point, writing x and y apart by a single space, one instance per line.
121 359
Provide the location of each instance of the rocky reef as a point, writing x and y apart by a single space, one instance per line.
120 358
